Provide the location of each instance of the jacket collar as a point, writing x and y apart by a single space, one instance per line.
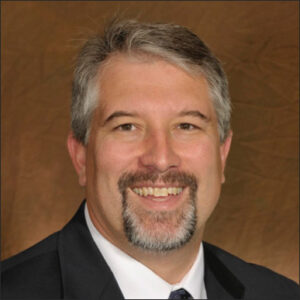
86 275
220 282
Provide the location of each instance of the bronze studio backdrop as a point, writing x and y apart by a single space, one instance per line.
257 217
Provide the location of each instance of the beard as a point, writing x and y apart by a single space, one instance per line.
159 231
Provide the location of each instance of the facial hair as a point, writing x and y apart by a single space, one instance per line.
159 231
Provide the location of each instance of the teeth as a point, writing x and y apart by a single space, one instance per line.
157 192
145 191
150 191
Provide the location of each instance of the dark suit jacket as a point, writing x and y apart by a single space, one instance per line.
68 265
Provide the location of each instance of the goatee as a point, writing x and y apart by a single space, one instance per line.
159 231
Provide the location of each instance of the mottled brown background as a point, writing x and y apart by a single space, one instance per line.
257 218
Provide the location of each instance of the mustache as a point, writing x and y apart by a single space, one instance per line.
178 177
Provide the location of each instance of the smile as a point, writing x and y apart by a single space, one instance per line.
157 192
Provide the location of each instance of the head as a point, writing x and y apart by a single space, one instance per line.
172 43
150 133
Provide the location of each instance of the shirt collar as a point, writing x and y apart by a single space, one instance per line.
137 281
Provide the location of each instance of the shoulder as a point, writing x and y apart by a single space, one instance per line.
258 280
35 269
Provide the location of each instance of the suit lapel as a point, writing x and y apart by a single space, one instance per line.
85 274
220 282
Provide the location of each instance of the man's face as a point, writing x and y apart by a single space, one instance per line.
154 165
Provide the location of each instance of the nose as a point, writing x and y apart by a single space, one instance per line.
159 153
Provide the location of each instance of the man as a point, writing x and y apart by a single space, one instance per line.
149 142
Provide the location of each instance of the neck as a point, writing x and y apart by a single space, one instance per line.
171 266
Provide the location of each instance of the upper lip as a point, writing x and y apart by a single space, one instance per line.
140 185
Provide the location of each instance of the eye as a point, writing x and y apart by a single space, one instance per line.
187 126
126 127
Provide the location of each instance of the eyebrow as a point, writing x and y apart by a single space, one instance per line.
121 113
194 113
117 114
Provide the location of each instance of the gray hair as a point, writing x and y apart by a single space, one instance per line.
172 43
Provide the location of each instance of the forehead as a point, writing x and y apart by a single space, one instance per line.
151 84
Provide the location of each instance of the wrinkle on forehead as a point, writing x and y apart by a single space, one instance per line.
116 80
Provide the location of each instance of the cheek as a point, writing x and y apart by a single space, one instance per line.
108 161
203 160
114 158
202 157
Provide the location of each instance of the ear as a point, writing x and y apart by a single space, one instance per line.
77 153
224 150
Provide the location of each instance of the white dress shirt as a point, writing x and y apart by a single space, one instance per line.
137 281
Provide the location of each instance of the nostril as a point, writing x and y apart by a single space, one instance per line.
159 155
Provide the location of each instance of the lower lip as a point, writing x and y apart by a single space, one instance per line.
161 203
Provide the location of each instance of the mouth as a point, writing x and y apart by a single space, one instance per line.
158 194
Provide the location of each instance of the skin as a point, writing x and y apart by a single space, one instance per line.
157 135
